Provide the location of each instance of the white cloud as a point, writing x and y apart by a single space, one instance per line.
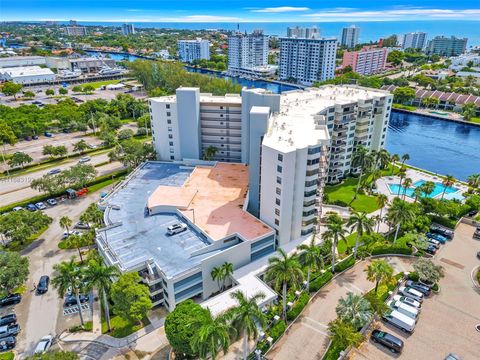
404 13
135 10
281 9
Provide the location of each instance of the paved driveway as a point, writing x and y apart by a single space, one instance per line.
308 336
447 321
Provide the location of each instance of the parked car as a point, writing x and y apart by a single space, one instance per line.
10 299
43 283
452 356
67 234
71 300
442 231
40 206
478 255
7 343
31 207
476 234
424 289
44 344
8 319
84 159
37 102
472 213
403 308
9 330
48 134
401 321
411 293
431 249
35 137
53 171
176 228
394 344
82 225
52 202
17 208
437 237
434 242
408 301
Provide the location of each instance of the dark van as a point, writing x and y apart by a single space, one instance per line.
42 286
394 344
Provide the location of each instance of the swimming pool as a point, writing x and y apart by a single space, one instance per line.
395 188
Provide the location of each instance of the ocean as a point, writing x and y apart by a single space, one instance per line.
370 31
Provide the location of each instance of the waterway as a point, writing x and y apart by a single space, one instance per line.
436 145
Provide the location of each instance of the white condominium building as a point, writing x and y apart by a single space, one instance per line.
350 36
190 50
307 60
128 29
301 32
76 31
247 52
415 40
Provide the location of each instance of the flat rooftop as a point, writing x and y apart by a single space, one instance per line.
298 123
134 238
26 71
215 197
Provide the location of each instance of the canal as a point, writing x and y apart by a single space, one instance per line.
437 145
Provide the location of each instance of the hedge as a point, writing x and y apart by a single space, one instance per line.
392 250
345 264
449 223
298 307
413 276
275 332
320 281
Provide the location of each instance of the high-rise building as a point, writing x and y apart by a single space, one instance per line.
301 32
369 60
72 22
248 54
190 50
128 29
350 36
444 46
415 40
307 60
76 31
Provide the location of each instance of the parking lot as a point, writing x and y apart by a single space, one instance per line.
447 321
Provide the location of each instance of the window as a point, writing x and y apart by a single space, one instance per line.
279 169
279 191
172 151
170 143
169 121
277 212
279 180
172 157
277 222
170 136
169 128
168 106
169 113
280 157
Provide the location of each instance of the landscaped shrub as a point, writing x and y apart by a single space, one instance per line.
277 330
391 250
345 264
298 307
320 281
413 276
449 223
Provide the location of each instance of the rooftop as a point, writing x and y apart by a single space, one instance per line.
215 197
26 71
19 58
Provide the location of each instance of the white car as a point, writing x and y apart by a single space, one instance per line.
411 293
44 344
84 159
40 206
176 228
67 234
408 301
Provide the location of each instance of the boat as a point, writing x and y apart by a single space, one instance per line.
105 70
67 74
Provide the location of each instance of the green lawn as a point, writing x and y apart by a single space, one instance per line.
7 356
99 84
345 192
342 246
404 107
122 327
475 120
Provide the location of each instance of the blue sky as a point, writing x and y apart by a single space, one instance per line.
239 10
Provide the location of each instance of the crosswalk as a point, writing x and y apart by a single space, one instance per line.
72 310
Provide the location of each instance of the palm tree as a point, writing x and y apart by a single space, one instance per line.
379 271
335 232
393 160
100 276
284 270
65 222
69 275
311 257
449 180
405 157
401 174
246 316
398 213
406 184
210 152
355 310
474 180
227 272
217 275
361 160
417 192
428 187
213 334
382 158
359 223
382 201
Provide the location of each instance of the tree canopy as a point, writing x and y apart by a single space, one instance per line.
131 299
13 271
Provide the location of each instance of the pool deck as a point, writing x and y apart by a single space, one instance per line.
415 175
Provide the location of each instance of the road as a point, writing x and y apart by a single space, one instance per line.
13 189
42 315
308 336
